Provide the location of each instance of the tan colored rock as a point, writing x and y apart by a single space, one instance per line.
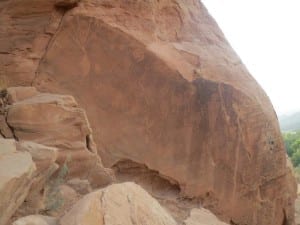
42 155
162 87
57 121
16 173
36 220
79 185
15 94
202 217
125 203
69 197
44 158
49 119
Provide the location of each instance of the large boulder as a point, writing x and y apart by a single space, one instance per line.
162 88
36 220
55 121
16 173
126 204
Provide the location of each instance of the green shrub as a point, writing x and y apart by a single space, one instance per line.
54 199
296 158
292 144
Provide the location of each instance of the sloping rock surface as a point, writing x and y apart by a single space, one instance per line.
16 173
202 217
56 121
36 220
162 88
126 204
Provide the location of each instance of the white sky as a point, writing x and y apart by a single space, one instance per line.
266 35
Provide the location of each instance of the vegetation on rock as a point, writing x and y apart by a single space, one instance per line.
54 199
292 144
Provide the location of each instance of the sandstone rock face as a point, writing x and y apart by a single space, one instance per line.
16 171
55 121
126 204
162 88
15 94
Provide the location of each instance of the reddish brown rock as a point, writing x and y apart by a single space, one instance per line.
5 131
16 94
163 88
66 4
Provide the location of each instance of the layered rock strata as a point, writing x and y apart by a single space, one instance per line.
56 121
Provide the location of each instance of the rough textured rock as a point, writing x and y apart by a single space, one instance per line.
202 217
163 88
16 173
297 210
69 194
5 131
44 158
66 4
36 220
79 185
126 204
55 121
164 189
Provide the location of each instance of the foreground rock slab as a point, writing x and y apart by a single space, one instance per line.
16 173
36 220
125 203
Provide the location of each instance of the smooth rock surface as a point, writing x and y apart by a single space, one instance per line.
202 217
36 220
125 203
16 173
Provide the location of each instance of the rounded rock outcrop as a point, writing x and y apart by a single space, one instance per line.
163 88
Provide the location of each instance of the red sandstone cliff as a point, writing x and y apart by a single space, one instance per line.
163 91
